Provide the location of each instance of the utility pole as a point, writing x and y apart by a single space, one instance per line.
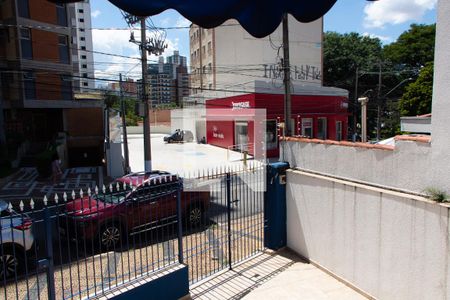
124 128
147 144
355 112
379 103
200 29
154 46
287 78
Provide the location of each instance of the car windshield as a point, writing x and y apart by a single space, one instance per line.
114 198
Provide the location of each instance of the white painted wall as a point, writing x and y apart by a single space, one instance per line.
237 52
407 167
192 119
441 99
388 244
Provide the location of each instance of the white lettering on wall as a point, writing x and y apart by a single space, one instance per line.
304 72
240 105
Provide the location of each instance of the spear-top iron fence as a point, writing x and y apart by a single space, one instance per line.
84 244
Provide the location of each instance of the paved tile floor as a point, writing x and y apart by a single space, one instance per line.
272 275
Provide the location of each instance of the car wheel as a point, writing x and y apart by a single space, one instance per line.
10 264
195 216
110 236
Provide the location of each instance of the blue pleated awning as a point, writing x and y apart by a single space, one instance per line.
259 17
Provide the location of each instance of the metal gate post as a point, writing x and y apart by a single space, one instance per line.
180 224
229 218
47 263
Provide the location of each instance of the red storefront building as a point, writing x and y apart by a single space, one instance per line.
317 112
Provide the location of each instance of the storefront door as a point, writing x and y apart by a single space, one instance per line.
241 136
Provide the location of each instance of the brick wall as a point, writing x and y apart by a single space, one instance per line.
43 11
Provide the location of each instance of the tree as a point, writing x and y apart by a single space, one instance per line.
417 97
344 53
414 48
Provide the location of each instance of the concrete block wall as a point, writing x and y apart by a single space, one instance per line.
390 245
406 167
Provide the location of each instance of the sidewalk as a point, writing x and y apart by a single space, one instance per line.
26 184
272 275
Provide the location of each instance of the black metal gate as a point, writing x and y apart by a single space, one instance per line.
230 228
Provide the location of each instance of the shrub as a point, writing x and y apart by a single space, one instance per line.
436 194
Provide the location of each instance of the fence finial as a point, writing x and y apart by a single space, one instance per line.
89 191
96 190
56 198
110 188
65 197
117 186
21 205
32 203
81 193
104 189
73 195
45 200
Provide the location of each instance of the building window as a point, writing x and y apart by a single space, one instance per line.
307 127
84 66
29 86
81 29
204 50
83 56
338 130
210 68
81 10
25 43
81 20
61 14
85 83
83 47
23 8
82 38
85 75
66 87
322 128
63 47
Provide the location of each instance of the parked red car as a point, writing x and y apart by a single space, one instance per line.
150 204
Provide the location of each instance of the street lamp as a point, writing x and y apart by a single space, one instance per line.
363 101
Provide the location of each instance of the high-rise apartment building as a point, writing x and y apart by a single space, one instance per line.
83 57
39 74
227 56
168 81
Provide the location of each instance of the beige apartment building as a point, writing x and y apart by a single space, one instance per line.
227 56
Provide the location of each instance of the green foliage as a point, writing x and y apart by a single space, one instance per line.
402 59
111 99
436 194
167 106
343 53
414 48
132 119
417 97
